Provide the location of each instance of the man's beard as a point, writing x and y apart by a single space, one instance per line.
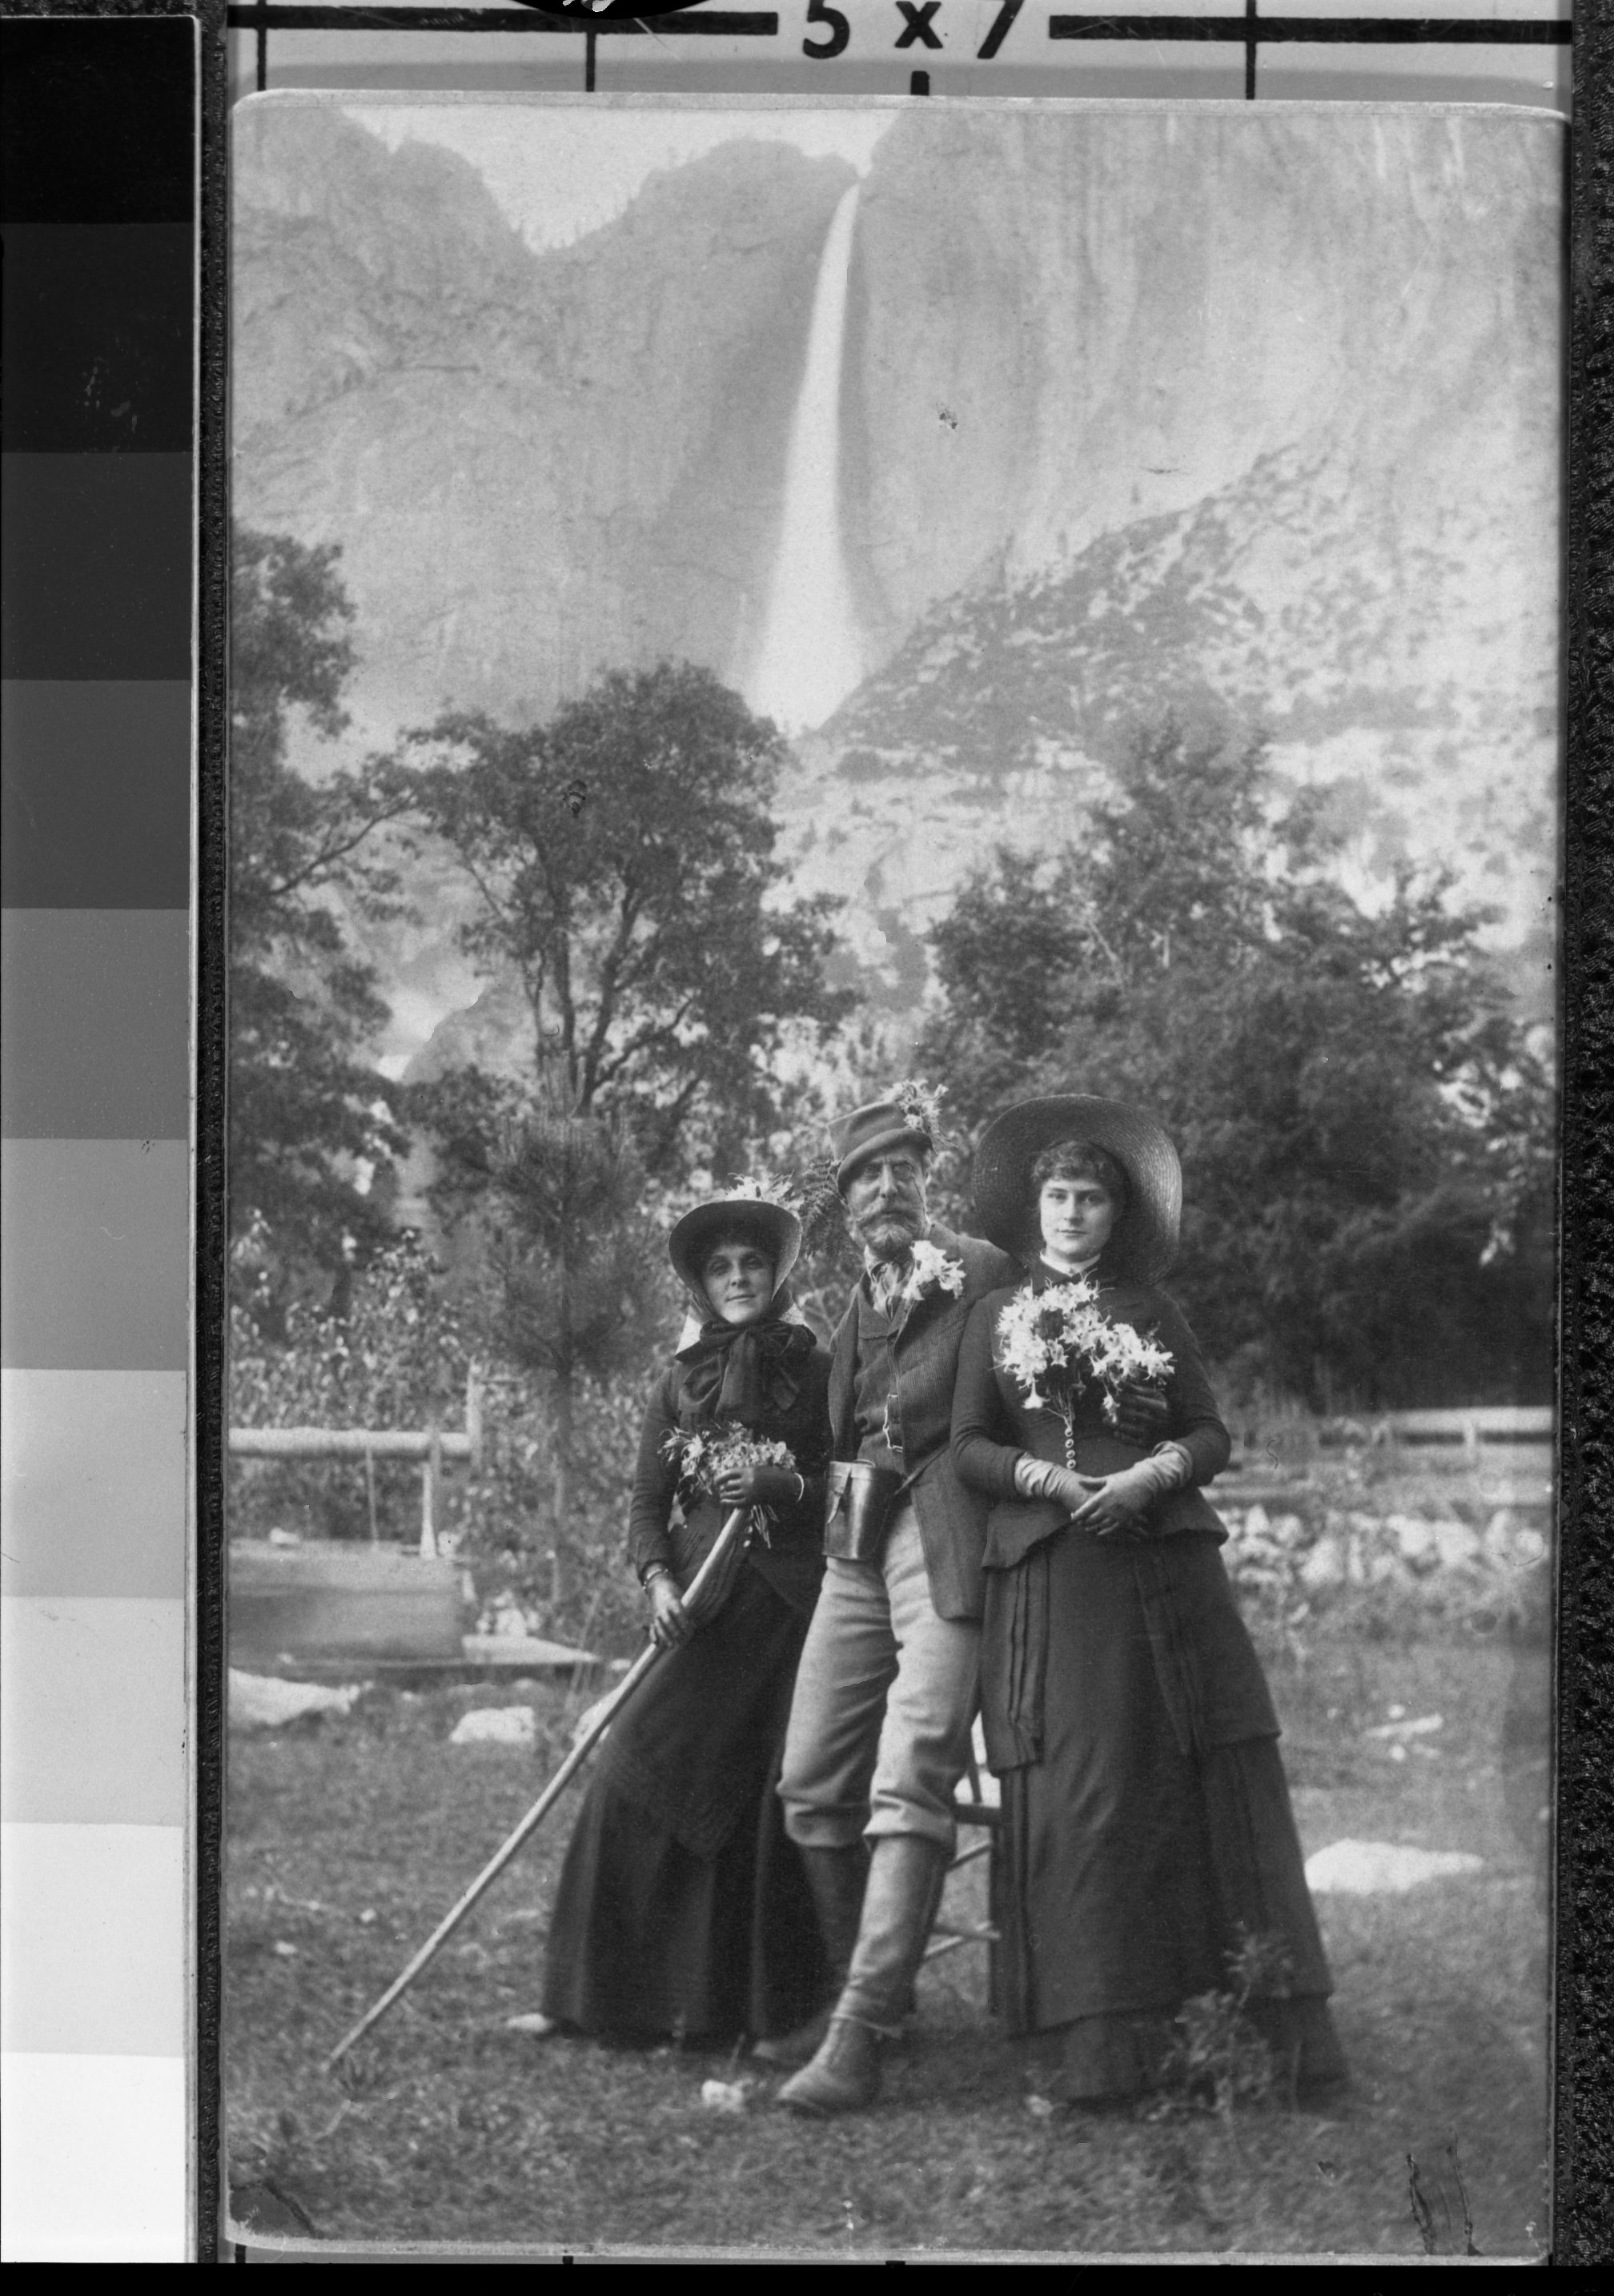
889 1234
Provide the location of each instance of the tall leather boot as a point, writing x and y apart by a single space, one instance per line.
910 2006
836 1879
897 1906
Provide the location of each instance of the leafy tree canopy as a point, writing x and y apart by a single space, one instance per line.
622 855
1366 1129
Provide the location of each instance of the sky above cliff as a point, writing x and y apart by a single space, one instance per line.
560 168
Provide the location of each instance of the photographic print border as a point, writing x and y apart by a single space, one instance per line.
1583 2138
1582 2148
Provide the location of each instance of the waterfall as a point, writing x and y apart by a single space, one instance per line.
810 657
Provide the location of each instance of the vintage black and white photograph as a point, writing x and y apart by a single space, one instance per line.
894 821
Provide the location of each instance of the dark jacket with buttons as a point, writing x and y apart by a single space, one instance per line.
1210 1677
952 1518
992 1426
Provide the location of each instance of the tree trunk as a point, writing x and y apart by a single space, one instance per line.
563 1486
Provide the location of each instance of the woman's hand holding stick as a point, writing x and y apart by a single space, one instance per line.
669 1621
760 1485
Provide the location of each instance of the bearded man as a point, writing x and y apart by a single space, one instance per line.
886 1688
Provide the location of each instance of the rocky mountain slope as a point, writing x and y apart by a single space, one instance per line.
1007 704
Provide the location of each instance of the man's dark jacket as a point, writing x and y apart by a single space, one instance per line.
952 1518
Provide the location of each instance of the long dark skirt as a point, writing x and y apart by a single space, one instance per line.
1136 1860
683 1908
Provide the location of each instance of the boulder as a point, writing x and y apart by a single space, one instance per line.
1325 1566
495 1726
259 1701
1371 1869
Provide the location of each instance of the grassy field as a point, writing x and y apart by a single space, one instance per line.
350 1837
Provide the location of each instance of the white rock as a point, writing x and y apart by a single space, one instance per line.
263 1701
495 1726
1414 1538
1372 1869
1457 1544
1513 1545
534 2023
723 2096
1325 1566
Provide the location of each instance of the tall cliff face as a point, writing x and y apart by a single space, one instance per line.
1065 323
1137 407
1184 408
539 465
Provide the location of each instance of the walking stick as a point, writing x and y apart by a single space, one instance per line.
732 1533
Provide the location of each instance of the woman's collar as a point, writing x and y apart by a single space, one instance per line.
1049 1274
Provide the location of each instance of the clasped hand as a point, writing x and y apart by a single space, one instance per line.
1110 1502
1098 1502
756 1486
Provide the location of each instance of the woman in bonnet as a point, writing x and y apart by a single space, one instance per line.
1149 1832
682 1908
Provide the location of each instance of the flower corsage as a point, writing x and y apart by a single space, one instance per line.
932 1270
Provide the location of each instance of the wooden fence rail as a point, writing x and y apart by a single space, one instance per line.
345 1443
431 1444
1491 1423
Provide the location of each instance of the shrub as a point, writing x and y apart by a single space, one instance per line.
1219 2060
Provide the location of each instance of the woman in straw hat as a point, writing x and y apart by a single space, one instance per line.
1151 1849
682 1908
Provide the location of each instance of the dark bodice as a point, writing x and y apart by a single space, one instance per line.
992 1425
792 1562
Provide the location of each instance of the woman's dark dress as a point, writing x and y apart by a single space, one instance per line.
683 1907
1148 1823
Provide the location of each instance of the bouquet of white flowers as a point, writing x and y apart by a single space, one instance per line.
1062 1336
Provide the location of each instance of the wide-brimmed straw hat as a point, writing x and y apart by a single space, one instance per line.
1145 1240
771 1226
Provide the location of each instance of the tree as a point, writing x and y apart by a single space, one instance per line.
552 1245
308 1111
622 856
1366 1128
